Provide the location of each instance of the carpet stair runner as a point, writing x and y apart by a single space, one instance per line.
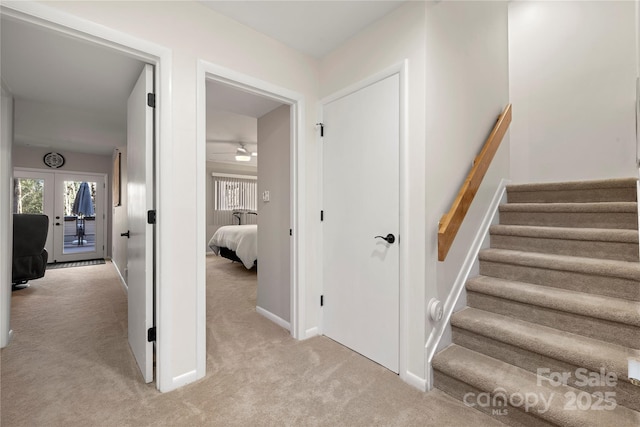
554 315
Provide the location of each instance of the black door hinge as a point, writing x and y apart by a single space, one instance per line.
321 300
151 100
151 217
151 334
321 128
321 215
290 232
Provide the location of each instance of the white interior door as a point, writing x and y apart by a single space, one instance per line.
140 246
361 201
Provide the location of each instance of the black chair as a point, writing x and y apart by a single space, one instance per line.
29 255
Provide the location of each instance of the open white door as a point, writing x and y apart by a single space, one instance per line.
361 220
141 240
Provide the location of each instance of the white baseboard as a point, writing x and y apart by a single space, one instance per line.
456 290
122 281
415 381
311 332
275 319
184 379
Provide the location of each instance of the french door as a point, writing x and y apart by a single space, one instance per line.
75 204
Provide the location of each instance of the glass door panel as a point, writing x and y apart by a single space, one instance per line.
28 195
33 193
79 203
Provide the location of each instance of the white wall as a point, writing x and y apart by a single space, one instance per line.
192 32
31 157
573 71
6 219
120 218
467 87
274 285
396 37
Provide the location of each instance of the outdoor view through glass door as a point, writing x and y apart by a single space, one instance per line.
75 206
79 231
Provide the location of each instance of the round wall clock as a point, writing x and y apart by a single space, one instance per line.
53 160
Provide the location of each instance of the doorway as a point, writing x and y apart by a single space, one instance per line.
296 231
75 204
117 45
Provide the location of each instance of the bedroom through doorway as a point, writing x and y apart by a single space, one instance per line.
248 211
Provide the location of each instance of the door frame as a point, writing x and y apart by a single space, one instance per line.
160 57
297 177
401 69
55 173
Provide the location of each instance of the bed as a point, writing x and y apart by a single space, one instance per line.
237 243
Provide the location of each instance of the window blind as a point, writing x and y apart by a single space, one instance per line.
233 194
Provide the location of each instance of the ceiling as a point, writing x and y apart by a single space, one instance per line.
232 121
50 73
310 26
41 67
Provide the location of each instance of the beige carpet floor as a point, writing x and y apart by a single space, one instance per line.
70 365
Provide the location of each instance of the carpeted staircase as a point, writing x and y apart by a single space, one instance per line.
555 313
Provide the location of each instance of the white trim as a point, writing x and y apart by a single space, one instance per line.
398 68
230 175
472 255
208 71
122 281
6 216
415 381
275 319
404 267
312 332
161 57
59 171
402 69
184 379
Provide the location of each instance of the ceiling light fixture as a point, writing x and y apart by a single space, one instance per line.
243 155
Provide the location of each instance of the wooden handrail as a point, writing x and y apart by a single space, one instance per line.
451 221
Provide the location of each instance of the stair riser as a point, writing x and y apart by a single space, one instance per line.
625 394
574 281
613 332
611 220
619 251
626 194
513 416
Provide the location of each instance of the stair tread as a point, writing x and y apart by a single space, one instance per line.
567 233
598 306
575 185
578 207
600 267
575 349
494 376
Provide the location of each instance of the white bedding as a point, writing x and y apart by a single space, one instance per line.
243 239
